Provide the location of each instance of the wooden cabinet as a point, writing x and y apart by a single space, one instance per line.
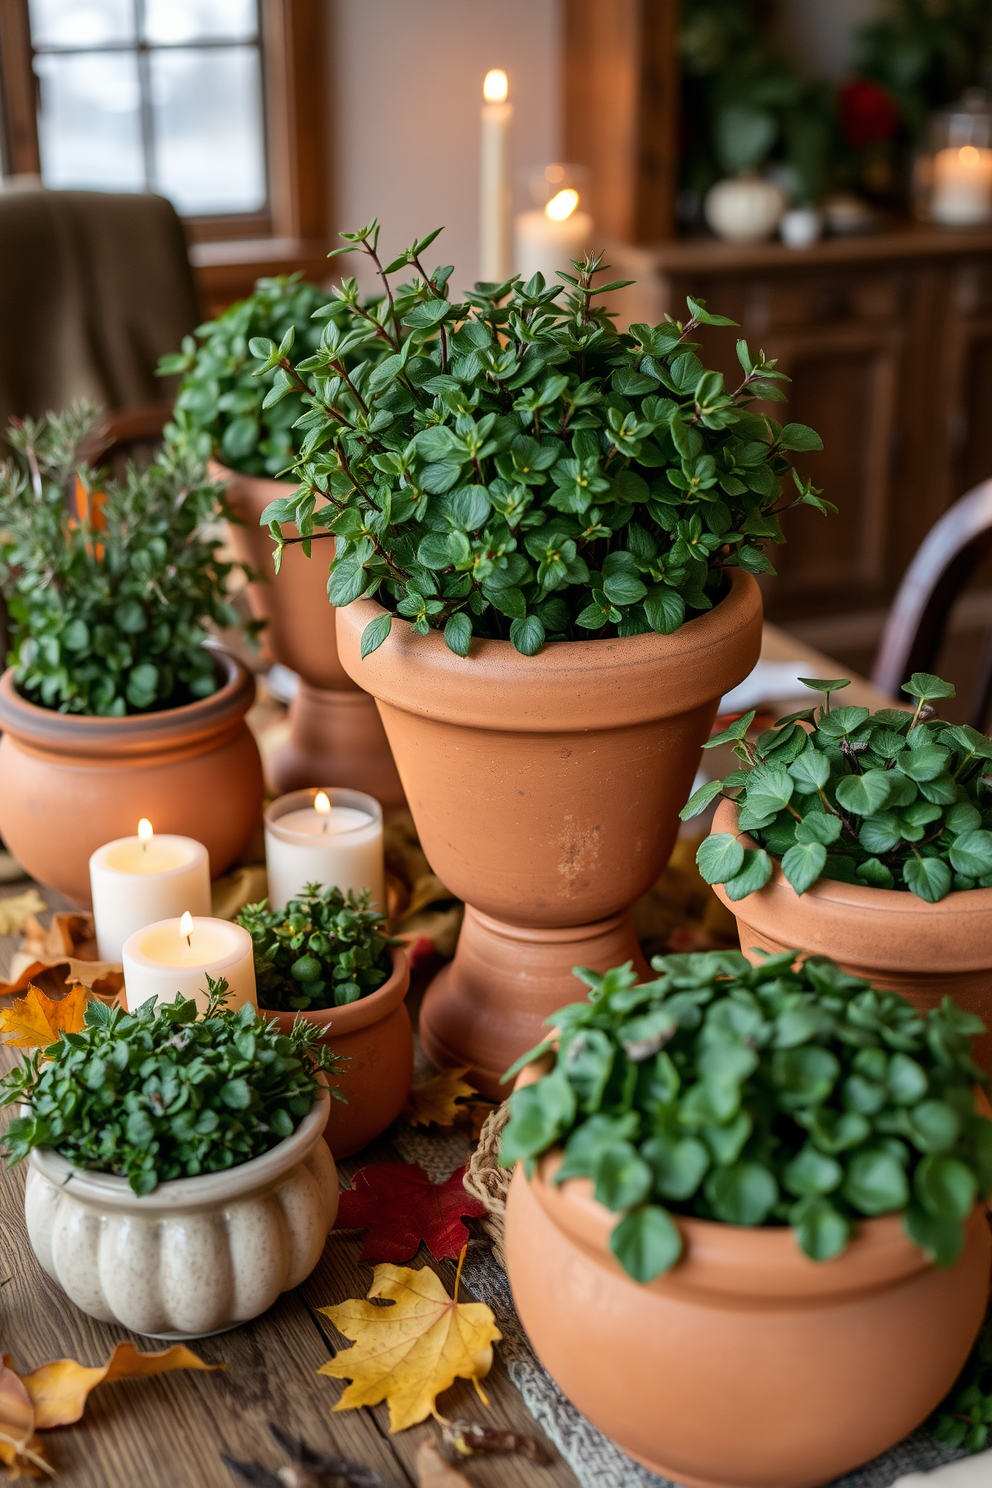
888 342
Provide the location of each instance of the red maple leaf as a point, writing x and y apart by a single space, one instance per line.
401 1207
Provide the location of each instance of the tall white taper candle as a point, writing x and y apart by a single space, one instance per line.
495 182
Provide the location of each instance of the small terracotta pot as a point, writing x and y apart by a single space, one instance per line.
70 782
197 1255
888 936
546 792
335 732
747 1365
375 1034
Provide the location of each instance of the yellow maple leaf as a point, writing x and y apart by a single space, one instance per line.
435 1102
408 1353
34 1021
58 1391
17 909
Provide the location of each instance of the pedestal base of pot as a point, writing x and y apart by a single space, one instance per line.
487 1007
336 738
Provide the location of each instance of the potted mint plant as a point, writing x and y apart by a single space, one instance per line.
226 412
329 960
768 1182
143 1120
867 837
112 589
546 540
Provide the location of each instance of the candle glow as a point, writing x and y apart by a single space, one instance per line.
145 829
495 87
186 927
562 205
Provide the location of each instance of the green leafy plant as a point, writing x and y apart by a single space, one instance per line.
222 407
323 950
965 1417
893 800
164 1093
108 608
777 1094
514 468
927 54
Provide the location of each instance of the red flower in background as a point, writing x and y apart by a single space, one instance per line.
868 113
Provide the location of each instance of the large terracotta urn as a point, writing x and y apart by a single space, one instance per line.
70 782
747 1365
335 733
888 936
546 792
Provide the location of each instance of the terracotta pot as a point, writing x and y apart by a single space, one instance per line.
69 782
375 1034
747 1365
335 732
546 793
197 1255
893 939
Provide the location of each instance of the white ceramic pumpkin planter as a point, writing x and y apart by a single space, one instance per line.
197 1255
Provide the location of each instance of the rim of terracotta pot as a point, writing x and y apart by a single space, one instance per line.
206 1191
568 685
954 932
136 733
355 1015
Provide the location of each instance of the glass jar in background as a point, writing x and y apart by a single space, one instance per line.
953 178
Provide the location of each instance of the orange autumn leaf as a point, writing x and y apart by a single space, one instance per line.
58 1391
408 1353
435 1102
35 1020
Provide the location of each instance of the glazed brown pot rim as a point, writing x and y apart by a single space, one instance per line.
929 928
595 684
83 733
361 1014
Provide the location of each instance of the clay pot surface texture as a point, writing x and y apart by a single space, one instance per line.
70 782
197 1255
545 792
888 936
375 1034
335 731
747 1365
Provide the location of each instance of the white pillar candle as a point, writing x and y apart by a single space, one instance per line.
332 838
962 186
137 880
176 956
551 239
495 181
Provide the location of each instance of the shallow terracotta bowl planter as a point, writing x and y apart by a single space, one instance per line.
196 1256
546 793
747 1365
375 1034
891 938
335 732
69 783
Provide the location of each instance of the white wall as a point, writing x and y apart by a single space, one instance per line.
405 99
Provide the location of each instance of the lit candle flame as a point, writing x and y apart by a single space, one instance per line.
145 832
495 87
186 928
968 156
562 205
322 806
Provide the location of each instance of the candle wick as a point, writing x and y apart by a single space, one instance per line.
189 941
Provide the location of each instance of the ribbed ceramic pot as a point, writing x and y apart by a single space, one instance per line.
888 936
335 731
546 793
70 782
747 1365
375 1035
197 1255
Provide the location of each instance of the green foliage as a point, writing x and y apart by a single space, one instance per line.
108 610
927 54
223 408
965 1417
892 800
323 950
164 1093
514 468
758 1095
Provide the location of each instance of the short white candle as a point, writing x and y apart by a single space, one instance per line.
551 239
163 962
332 838
137 880
495 183
962 186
